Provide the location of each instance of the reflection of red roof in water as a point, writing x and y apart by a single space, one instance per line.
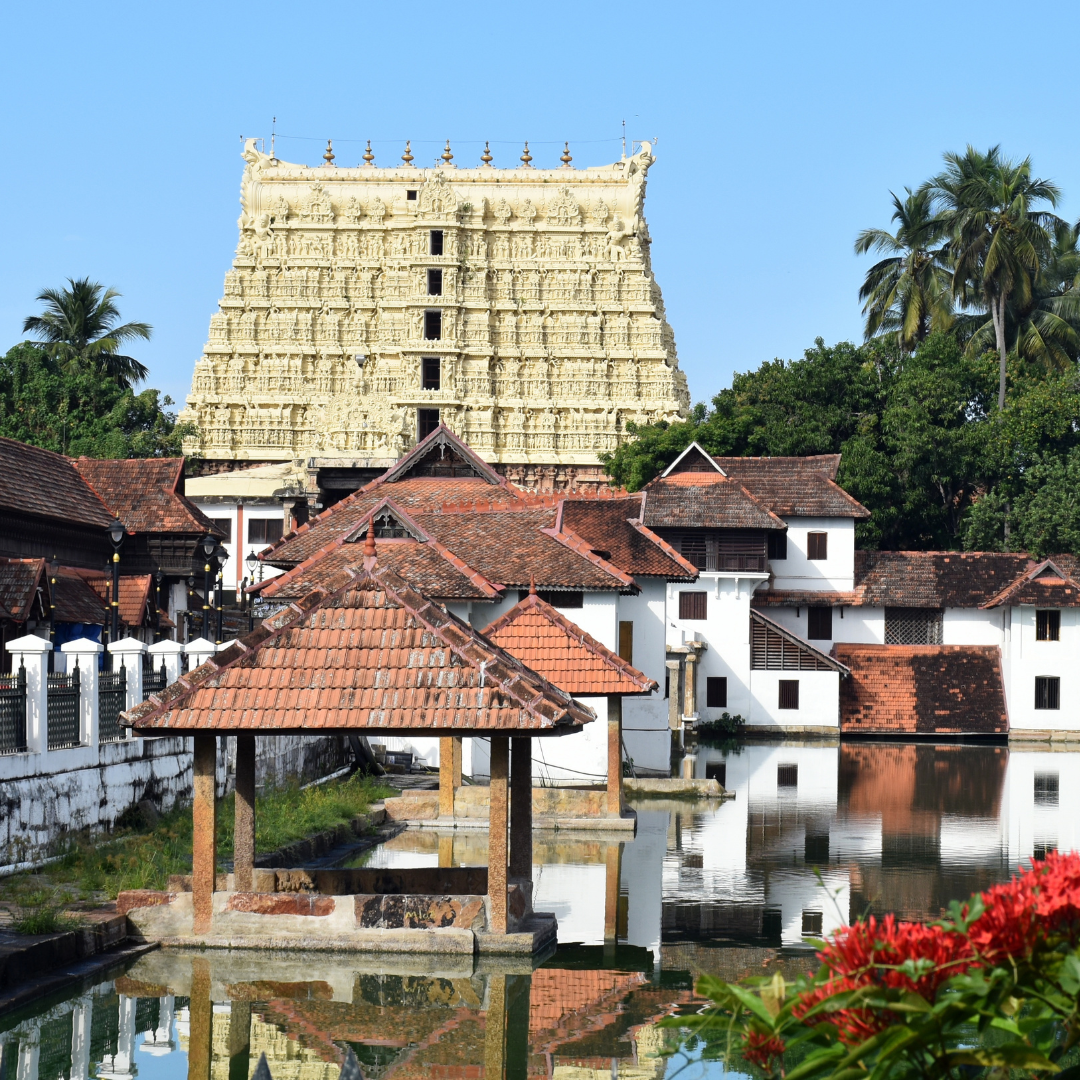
564 1004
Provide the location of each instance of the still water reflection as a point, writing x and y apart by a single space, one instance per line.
816 835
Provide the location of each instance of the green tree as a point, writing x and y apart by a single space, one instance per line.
998 241
76 412
80 328
909 292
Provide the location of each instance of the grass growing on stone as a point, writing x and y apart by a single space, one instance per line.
95 869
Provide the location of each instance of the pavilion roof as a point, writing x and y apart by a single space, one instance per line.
561 651
364 652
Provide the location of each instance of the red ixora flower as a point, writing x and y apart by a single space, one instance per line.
1037 902
762 1049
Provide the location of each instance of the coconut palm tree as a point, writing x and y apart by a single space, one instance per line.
997 240
909 292
81 328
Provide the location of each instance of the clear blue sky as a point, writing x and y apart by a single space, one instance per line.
781 127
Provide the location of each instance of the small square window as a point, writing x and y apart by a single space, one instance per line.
693 605
1046 789
817 546
789 694
432 325
1042 848
1047 692
1047 625
434 282
436 245
264 530
816 848
812 923
787 775
431 373
819 623
716 692
223 526
427 420
777 546
410 195
626 641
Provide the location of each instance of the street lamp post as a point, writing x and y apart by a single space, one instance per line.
116 538
252 562
54 570
222 556
159 577
208 547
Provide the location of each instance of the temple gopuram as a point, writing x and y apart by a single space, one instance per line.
367 305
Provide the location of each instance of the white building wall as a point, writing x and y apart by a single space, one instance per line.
859 625
646 734
799 572
819 699
970 626
1027 658
1034 823
238 547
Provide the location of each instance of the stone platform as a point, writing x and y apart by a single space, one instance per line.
424 910
570 808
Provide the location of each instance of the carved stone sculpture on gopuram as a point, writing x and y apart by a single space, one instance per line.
364 305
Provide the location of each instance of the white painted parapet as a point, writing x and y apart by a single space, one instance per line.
130 652
199 651
32 653
170 652
86 653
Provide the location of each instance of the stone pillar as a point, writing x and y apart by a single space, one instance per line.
244 830
239 1039
204 840
674 711
497 822
201 1019
80 1039
86 653
614 756
170 652
612 864
446 849
159 1042
32 653
130 652
29 1054
690 689
449 773
124 1062
521 808
199 651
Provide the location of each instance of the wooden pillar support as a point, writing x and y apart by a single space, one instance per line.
244 832
521 808
497 822
204 832
612 865
449 773
614 756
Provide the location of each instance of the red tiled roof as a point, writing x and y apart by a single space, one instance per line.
553 646
134 593
19 583
36 481
1046 585
144 493
613 525
75 599
443 451
795 486
922 689
366 653
935 579
704 500
806 598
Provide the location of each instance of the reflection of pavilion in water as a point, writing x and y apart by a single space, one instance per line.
571 1022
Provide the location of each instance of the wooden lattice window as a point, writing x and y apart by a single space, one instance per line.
789 694
817 546
913 626
819 623
771 651
693 605
387 527
1047 692
695 550
1047 625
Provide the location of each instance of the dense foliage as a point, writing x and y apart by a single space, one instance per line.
924 446
992 988
73 410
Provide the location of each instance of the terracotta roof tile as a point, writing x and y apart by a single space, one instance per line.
134 593
795 486
36 481
935 579
20 580
704 500
368 652
75 599
1045 585
550 644
613 526
145 494
922 689
765 598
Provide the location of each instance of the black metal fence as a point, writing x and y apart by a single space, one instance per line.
63 710
13 712
153 679
112 696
